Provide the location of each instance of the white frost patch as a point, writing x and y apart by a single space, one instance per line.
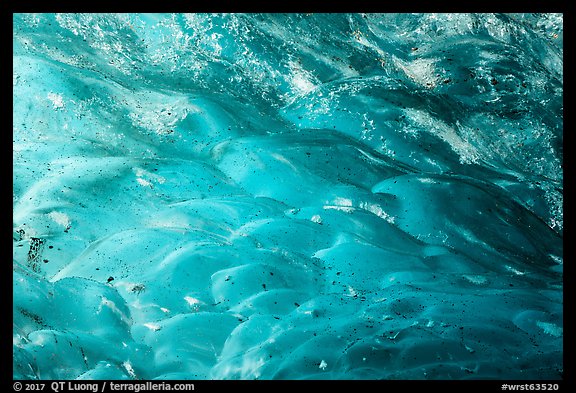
426 180
112 306
240 316
352 292
57 100
515 271
367 128
340 208
323 365
421 71
39 340
301 81
317 219
342 202
283 159
471 350
550 328
292 211
60 218
165 310
144 182
157 112
558 260
467 234
139 172
377 210
478 280
146 179
17 339
175 222
153 326
129 368
192 301
468 153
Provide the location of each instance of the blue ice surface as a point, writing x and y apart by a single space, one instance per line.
295 196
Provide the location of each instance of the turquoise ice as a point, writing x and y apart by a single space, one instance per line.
295 196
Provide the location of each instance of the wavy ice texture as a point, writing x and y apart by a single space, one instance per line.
311 196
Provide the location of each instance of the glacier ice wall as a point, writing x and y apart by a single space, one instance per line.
295 196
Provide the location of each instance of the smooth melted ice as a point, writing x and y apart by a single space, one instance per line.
296 196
